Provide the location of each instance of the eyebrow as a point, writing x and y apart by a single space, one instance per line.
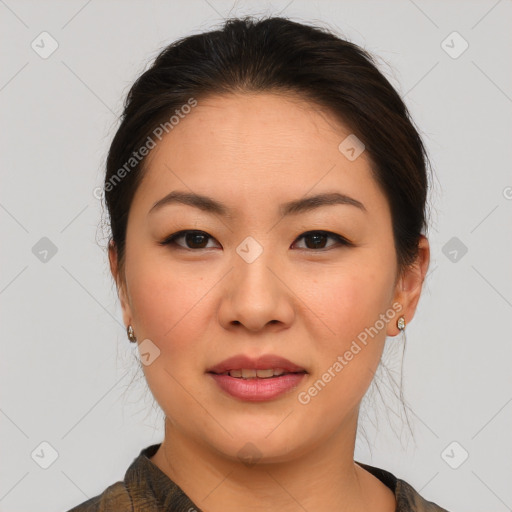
295 207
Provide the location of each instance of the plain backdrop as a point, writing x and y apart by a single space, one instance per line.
74 410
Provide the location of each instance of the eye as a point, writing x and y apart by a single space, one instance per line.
318 239
193 238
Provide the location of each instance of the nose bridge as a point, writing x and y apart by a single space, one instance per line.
252 272
256 295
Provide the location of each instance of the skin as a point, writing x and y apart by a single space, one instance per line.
201 306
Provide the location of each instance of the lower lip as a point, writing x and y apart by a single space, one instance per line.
258 390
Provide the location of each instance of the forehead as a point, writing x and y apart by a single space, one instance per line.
252 125
254 148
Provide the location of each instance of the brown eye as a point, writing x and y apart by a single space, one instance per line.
318 239
193 239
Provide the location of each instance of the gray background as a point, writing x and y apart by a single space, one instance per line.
69 376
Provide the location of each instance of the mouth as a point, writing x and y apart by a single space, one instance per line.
263 367
264 378
251 373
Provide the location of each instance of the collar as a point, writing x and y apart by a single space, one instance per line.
145 479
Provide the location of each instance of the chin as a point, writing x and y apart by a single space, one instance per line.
252 444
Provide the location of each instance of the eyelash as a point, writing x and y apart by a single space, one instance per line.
171 239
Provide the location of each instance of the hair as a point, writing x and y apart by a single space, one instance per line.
276 55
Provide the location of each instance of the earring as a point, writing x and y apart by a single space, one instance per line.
400 323
131 334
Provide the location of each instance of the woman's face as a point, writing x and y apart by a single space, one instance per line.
251 284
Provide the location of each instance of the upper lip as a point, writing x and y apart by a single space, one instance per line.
265 362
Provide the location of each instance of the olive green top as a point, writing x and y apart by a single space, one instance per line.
146 488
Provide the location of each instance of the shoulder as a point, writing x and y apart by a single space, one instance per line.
135 492
113 498
407 498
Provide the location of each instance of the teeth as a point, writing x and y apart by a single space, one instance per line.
264 374
252 373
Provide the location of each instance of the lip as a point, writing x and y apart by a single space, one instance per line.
264 362
257 389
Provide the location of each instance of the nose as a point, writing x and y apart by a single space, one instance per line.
256 295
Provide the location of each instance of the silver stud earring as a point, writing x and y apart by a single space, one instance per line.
131 334
400 323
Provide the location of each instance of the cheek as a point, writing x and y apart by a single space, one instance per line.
167 305
350 301
169 309
346 350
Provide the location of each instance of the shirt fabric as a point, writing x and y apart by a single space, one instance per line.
146 488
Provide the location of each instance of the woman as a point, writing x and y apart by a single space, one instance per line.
266 192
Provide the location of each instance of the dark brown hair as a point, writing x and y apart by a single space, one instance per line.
277 54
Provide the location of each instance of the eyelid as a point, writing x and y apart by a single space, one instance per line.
170 240
340 239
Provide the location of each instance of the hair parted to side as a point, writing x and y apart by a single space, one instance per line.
278 55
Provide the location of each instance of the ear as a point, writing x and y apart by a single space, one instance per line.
409 286
120 283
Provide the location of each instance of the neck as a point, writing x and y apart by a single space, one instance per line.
324 478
